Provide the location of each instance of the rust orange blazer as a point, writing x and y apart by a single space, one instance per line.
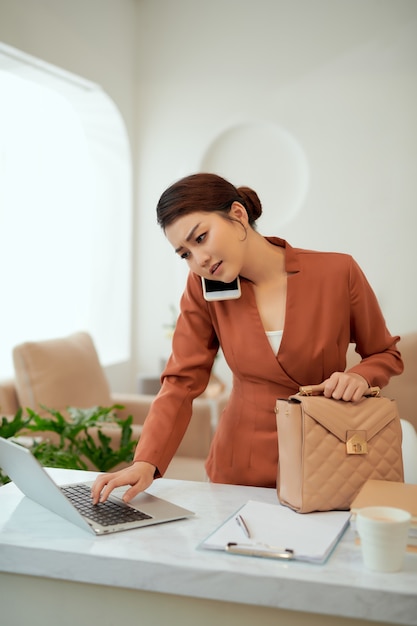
329 305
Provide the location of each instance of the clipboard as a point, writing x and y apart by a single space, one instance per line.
277 532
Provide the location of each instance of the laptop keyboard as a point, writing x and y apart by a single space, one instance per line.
105 513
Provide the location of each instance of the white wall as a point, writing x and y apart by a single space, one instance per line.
335 80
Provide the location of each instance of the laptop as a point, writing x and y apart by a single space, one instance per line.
73 502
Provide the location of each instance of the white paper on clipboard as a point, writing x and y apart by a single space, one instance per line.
274 528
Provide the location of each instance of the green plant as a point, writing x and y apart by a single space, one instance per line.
11 428
77 439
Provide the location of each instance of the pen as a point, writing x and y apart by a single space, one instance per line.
270 552
241 522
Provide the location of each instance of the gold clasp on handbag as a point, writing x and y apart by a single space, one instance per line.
356 442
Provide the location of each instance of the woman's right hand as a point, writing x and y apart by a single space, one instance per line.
139 476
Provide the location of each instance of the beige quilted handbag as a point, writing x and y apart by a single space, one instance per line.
329 448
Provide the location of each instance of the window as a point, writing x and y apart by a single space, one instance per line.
65 210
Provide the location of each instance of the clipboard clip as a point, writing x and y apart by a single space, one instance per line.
262 550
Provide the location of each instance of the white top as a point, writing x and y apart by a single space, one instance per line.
274 337
167 558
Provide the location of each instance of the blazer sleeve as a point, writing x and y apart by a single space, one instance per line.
194 347
380 356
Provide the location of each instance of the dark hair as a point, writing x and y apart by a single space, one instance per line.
205 192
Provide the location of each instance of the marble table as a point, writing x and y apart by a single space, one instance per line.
51 568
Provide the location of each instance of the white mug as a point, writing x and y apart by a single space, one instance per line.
383 531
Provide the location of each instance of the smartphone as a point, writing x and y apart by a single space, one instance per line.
216 290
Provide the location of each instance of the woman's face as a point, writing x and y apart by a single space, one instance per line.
212 246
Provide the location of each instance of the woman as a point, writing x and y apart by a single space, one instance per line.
320 300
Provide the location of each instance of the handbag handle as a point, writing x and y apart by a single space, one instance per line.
317 390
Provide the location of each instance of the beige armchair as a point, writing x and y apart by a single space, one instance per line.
64 372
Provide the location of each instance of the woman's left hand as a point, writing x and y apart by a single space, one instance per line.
345 386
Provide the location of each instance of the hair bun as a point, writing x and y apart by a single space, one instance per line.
252 203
